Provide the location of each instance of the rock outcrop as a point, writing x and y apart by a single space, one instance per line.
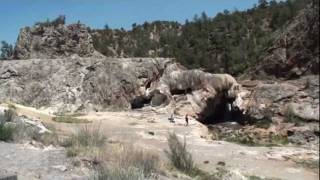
53 41
86 84
290 108
194 92
295 51
74 83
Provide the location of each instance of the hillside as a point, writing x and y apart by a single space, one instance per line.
230 42
225 98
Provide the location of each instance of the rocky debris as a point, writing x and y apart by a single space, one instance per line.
54 41
295 51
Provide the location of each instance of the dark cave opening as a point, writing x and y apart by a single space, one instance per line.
220 110
180 91
140 102
155 98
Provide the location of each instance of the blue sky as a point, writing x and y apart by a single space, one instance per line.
15 14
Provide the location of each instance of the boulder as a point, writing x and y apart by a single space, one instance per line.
305 111
200 94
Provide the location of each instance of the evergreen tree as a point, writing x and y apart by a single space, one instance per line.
6 50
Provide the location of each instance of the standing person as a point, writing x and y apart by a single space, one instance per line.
187 120
171 118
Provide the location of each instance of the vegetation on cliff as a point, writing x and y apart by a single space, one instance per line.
230 42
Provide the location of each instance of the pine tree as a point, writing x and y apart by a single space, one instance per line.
6 50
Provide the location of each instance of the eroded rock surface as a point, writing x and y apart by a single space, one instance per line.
54 41
86 84
197 93
73 84
290 107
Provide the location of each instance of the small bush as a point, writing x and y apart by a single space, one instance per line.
9 114
6 132
292 118
179 156
242 139
255 140
84 140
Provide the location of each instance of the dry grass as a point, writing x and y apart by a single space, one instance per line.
128 162
87 140
181 159
69 119
178 154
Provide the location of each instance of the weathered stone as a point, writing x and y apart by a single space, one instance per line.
206 94
86 84
266 99
305 111
54 41
75 84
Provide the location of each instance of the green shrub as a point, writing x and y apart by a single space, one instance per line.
256 140
6 132
292 118
9 114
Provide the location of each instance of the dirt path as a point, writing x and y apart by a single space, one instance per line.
149 129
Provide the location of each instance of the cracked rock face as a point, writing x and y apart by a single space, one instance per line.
195 92
54 42
95 84
276 99
74 84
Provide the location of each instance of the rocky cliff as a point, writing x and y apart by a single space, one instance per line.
295 50
96 84
53 41
75 83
